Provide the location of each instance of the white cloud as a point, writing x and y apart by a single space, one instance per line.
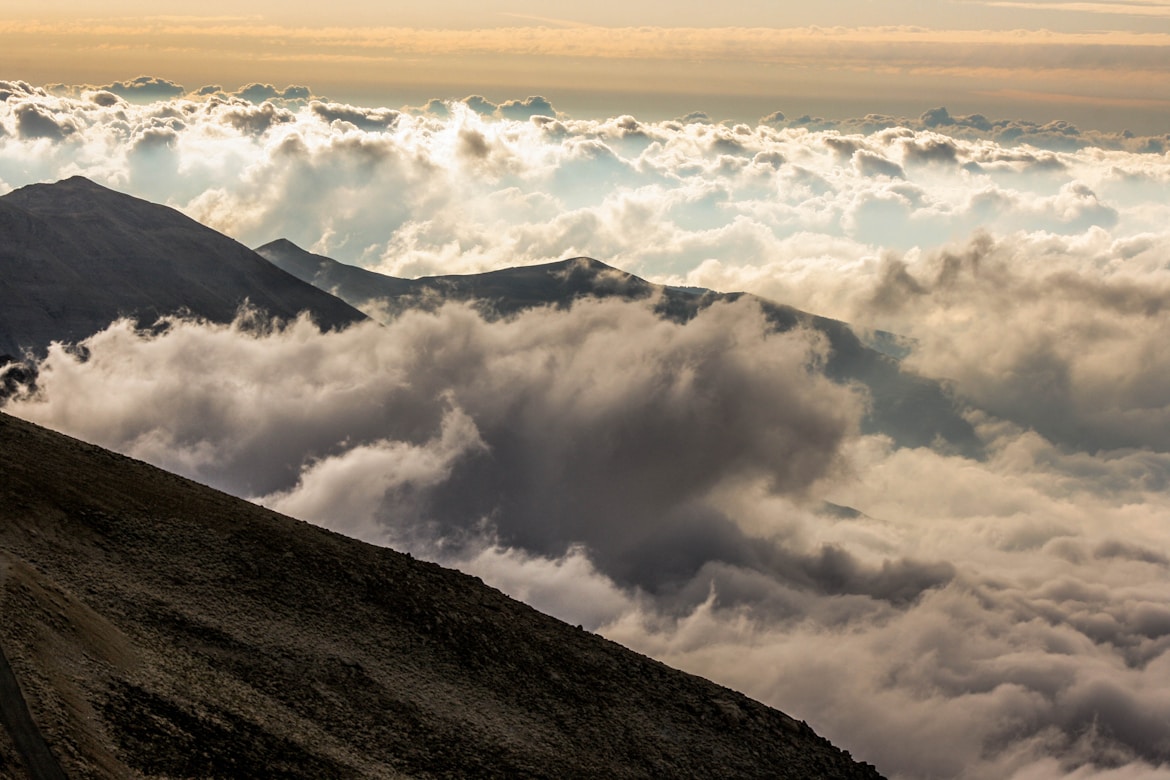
459 190
346 491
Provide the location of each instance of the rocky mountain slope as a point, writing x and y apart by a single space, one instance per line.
913 410
74 256
158 628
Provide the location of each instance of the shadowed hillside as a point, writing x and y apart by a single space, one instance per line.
161 628
74 256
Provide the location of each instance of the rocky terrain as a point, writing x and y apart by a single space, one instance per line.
158 628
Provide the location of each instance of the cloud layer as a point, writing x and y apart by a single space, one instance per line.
700 492
680 489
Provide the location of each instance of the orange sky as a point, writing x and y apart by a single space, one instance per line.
1033 60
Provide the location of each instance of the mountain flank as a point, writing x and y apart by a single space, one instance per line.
74 256
159 628
495 293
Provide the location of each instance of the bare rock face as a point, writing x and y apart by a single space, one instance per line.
75 256
158 628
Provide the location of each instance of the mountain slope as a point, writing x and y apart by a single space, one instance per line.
161 628
913 410
75 255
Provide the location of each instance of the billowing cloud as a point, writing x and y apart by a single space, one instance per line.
256 119
363 119
518 422
465 189
1073 355
32 121
701 494
531 106
145 89
258 93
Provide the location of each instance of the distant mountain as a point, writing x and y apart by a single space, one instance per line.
913 410
157 628
496 293
74 256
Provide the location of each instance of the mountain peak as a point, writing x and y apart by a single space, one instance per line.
282 244
80 181
590 263
77 255
76 183
79 196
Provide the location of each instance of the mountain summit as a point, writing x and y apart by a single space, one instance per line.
495 293
159 628
74 256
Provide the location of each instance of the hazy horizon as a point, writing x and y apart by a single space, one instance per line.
1099 65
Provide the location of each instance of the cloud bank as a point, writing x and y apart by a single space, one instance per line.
701 492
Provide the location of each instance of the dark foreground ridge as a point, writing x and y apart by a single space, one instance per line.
26 739
161 628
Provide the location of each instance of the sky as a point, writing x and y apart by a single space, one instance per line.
988 181
1100 64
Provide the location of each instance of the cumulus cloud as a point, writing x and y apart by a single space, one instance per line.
1057 135
362 118
1075 356
10 89
533 105
256 119
472 185
258 93
518 110
33 121
145 88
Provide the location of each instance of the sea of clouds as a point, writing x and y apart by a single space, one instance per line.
699 492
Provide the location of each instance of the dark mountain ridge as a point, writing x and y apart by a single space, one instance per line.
159 628
914 410
496 293
74 256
